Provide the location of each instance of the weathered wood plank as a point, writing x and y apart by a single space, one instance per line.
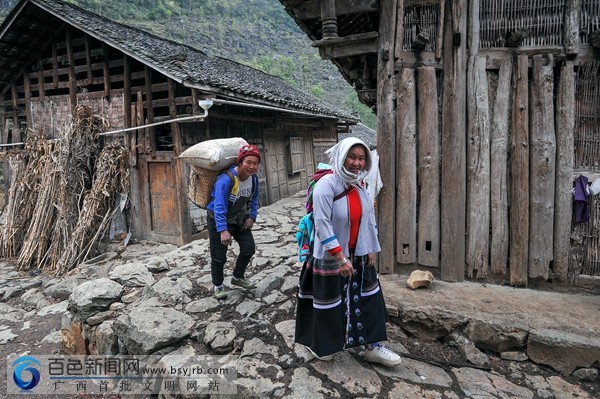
399 41
478 170
347 48
141 134
40 77
429 170
54 65
519 187
542 176
565 125
571 26
454 144
499 171
440 33
406 168
386 137
474 28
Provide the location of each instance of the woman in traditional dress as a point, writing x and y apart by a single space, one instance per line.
340 303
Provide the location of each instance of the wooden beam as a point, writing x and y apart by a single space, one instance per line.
71 69
348 46
478 170
429 170
141 134
27 90
312 9
149 139
88 61
386 136
40 76
499 171
54 65
542 153
106 70
565 126
408 59
406 168
126 90
519 187
454 144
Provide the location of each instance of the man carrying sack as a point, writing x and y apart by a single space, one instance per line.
232 211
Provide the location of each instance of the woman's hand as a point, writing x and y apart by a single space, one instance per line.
346 268
371 260
225 238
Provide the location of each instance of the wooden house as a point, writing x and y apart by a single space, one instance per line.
54 55
487 112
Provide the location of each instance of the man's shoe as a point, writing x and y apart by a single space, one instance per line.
321 358
219 292
242 282
380 354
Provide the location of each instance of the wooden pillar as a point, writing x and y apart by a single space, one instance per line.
141 134
406 168
16 129
454 144
386 135
499 171
478 170
519 165
185 222
571 26
542 153
329 19
399 41
195 106
565 126
149 131
106 70
72 75
474 28
88 61
429 171
42 93
27 90
440 33
54 65
130 113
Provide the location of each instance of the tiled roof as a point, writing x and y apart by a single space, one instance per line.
199 69
365 133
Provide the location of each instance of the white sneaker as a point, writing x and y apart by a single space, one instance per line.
325 358
380 354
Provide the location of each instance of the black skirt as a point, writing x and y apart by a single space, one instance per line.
335 312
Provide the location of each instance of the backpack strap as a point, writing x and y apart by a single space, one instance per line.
343 193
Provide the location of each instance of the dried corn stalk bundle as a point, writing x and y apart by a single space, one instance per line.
77 152
37 238
111 177
27 167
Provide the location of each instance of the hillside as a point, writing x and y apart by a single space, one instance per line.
258 33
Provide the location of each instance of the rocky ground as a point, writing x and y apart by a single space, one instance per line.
155 299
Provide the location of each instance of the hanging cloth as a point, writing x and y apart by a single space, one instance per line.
581 209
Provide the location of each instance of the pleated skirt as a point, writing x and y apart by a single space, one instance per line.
335 312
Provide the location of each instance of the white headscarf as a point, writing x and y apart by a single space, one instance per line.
337 156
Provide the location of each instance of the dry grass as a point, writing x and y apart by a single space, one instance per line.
61 196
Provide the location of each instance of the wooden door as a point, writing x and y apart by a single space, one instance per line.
276 169
163 199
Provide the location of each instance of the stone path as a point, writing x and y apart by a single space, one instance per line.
156 299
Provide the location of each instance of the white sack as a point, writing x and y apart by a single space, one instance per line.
216 154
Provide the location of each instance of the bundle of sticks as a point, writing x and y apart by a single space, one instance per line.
61 196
